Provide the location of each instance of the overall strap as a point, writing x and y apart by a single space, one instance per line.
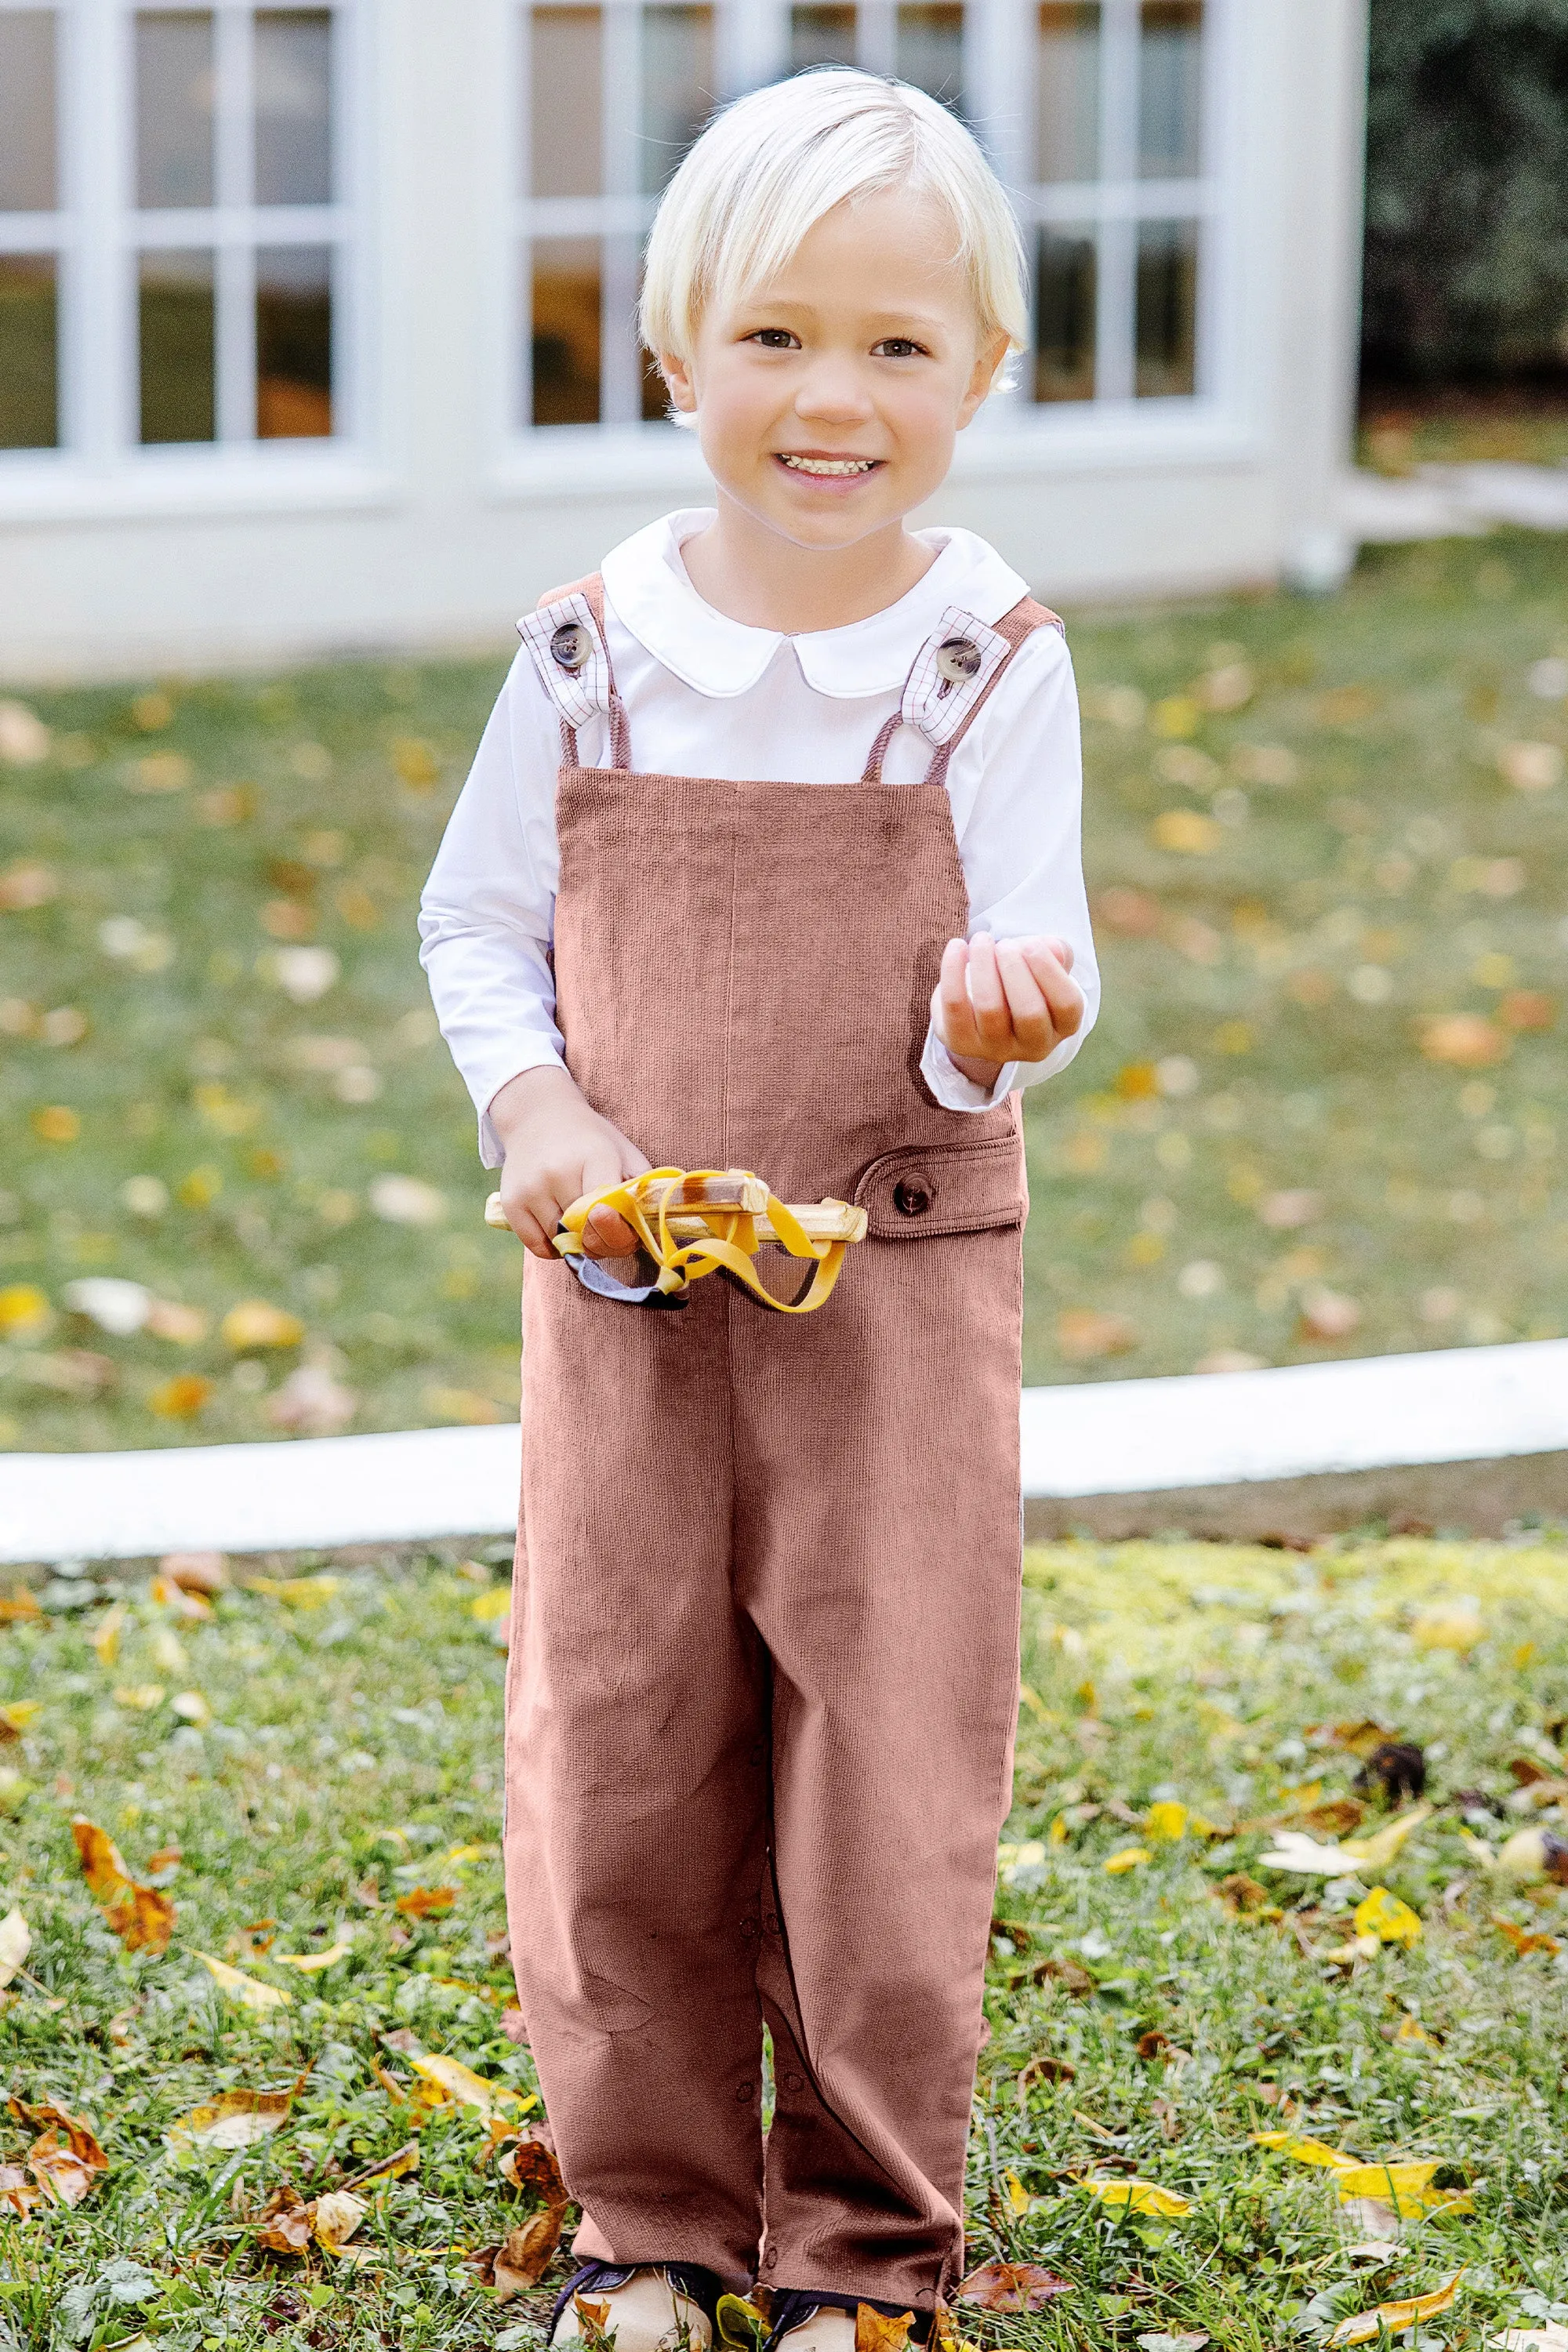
953 674
565 637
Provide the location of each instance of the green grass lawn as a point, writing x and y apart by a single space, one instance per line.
293 1767
1317 833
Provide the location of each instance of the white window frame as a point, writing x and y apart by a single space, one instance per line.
1014 435
101 465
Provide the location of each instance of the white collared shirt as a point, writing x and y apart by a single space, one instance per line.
706 696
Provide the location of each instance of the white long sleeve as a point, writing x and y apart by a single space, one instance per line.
707 696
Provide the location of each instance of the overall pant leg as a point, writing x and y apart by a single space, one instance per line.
877 1552
636 1779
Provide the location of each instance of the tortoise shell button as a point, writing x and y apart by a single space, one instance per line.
911 1196
571 647
957 660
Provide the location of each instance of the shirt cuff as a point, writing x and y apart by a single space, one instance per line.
953 1089
492 1152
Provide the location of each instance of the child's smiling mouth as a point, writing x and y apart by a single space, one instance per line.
820 467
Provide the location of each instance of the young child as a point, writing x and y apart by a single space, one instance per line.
768 859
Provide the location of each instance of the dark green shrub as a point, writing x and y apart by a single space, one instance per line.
1467 238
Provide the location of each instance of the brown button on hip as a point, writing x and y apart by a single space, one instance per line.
763 1666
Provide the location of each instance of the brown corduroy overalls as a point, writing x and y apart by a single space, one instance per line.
763 1666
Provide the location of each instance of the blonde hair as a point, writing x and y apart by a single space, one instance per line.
773 165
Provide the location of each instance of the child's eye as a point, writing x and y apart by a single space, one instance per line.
901 347
774 338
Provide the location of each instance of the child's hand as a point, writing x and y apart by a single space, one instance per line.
558 1148
1004 1000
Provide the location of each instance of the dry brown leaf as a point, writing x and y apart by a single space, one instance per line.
1524 1939
420 1902
531 2168
284 2223
402 2160
236 2119
878 2331
1337 1818
335 2217
1011 2286
1042 2069
1067 1973
15 2189
523 2256
141 1916
65 2160
1244 1898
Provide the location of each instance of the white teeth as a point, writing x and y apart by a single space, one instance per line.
829 464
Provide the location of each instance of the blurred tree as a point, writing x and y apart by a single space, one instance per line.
1466 233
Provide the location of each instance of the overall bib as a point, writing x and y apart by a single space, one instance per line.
764 1646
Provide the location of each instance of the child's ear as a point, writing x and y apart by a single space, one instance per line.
992 354
678 376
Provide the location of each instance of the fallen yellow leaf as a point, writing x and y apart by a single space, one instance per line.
142 1696
336 2216
141 1916
237 2119
1379 1850
1395 2317
1305 2151
492 1604
1383 1915
1127 1857
298 1592
1455 1625
256 1323
1018 2195
248 1990
310 1964
1140 2197
1165 1820
1407 2187
460 2082
21 1712
15 1943
106 1634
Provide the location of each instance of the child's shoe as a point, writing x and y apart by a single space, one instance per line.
643 2309
828 2329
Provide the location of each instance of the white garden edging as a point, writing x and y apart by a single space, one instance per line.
1113 1437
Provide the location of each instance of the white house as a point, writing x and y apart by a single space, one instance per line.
315 321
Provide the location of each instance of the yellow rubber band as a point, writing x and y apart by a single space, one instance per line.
729 1245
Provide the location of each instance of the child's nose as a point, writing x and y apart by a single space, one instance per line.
834 388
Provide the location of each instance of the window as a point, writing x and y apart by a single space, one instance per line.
32 230
174 226
1119 198
1095 111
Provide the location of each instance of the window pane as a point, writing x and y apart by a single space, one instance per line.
821 37
27 111
1067 108
1170 90
174 108
29 397
1167 308
293 343
566 74
294 106
179 377
930 51
1065 283
566 292
676 87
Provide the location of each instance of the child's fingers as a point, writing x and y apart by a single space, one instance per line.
1050 963
526 1225
604 1235
993 1019
953 1016
1027 1006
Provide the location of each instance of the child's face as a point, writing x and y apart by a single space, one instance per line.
864 354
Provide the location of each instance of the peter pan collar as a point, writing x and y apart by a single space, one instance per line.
647 587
